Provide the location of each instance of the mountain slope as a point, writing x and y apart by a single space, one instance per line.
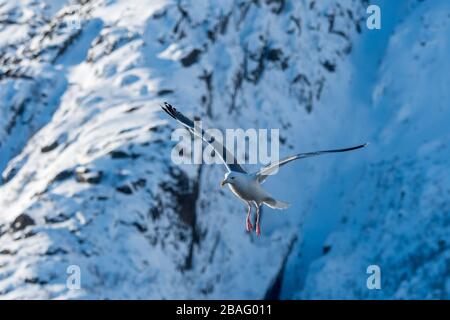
396 213
87 174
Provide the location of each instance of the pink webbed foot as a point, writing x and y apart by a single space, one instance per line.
258 230
249 226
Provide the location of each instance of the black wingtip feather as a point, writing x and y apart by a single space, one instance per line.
361 145
171 111
354 148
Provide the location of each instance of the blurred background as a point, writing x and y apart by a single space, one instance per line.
87 182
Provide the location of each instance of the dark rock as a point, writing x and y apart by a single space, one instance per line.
183 194
141 183
132 109
21 222
36 281
60 217
208 100
55 251
155 213
125 189
301 78
87 175
49 147
164 92
8 175
159 14
140 227
274 290
274 54
95 179
331 67
277 6
12 171
63 175
191 58
127 130
157 129
118 154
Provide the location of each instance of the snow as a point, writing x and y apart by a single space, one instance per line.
395 216
85 149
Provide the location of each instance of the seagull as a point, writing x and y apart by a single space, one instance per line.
246 186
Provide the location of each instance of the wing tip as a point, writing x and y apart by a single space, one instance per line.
360 146
171 111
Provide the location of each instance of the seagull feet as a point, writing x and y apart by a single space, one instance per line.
258 230
249 226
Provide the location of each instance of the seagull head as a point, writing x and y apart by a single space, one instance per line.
230 177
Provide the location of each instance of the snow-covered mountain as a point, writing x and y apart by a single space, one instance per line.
396 212
87 177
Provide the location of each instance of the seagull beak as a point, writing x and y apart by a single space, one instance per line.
224 182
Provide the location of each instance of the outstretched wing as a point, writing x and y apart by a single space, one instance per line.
218 147
264 172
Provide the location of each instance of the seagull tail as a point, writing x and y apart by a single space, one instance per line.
276 204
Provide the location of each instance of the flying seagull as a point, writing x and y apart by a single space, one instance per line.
246 186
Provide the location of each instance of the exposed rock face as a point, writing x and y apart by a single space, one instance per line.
21 222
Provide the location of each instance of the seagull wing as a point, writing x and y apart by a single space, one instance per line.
264 172
218 147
